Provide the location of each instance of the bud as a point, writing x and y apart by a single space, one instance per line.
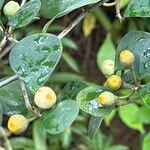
114 82
107 98
45 98
108 67
17 124
10 9
126 58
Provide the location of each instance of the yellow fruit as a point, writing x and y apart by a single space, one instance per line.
114 82
108 67
107 98
11 8
45 98
127 58
17 124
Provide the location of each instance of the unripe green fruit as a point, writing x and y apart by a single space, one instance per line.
108 67
17 124
107 98
114 82
11 8
45 98
126 58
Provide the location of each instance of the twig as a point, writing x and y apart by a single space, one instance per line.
134 100
27 102
6 50
9 80
23 2
7 142
11 39
110 4
3 43
118 14
84 13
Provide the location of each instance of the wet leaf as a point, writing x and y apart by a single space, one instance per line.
87 100
138 42
60 117
54 9
12 100
1 114
26 14
94 125
35 57
138 8
71 90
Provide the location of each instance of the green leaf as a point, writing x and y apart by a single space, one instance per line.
93 126
106 51
71 62
138 8
138 42
54 9
12 99
71 90
1 114
110 117
39 136
26 14
69 43
146 143
1 3
22 143
64 77
118 147
87 100
129 116
35 57
143 115
60 117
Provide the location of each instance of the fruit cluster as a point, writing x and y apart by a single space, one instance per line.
114 82
44 98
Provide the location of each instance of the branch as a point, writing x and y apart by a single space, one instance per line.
27 102
9 80
84 13
110 4
130 101
118 14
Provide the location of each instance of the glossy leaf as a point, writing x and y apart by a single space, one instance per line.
93 126
54 9
138 8
106 51
138 42
35 57
129 116
26 14
60 117
71 90
87 100
12 100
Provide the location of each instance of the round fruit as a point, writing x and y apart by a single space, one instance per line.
17 124
106 98
108 67
114 82
45 98
11 8
127 58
